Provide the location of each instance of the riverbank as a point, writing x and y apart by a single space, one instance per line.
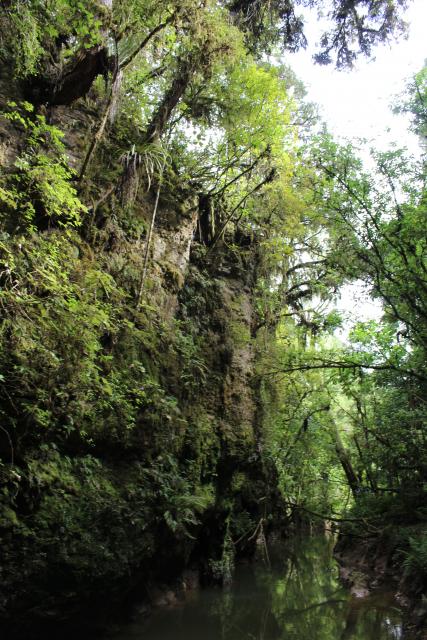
369 565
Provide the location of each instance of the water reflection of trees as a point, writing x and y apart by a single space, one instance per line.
302 599
299 599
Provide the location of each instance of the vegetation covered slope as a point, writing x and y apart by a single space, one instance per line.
168 227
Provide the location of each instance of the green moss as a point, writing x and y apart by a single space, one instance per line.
202 446
240 333
120 417
173 276
8 517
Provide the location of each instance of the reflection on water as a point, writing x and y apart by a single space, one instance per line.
300 598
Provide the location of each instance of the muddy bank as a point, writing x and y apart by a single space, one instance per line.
371 566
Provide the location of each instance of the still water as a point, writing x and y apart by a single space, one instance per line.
299 598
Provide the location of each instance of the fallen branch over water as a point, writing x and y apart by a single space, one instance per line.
333 518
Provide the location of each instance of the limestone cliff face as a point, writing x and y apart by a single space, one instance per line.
170 254
130 405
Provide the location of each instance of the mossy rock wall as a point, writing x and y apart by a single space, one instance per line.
131 445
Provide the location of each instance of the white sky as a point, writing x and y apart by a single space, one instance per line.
355 104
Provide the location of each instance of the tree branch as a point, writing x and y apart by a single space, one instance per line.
348 364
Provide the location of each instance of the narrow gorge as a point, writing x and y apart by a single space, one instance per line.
176 228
